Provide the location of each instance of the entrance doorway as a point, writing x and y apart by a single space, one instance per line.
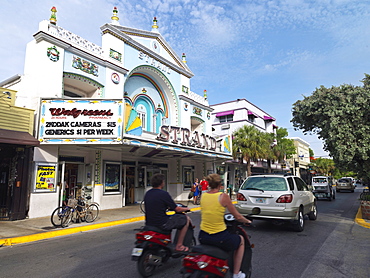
6 155
14 183
71 177
128 184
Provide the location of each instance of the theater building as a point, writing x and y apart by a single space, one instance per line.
108 117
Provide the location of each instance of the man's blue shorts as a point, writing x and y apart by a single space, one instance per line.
223 240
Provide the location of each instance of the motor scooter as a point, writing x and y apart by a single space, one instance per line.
154 246
207 261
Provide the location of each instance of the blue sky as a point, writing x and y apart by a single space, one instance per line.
268 52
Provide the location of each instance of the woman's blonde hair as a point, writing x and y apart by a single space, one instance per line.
214 180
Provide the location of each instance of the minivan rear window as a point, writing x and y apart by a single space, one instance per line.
320 180
265 184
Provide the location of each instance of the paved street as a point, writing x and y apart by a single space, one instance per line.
332 246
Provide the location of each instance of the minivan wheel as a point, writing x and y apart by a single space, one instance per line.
298 225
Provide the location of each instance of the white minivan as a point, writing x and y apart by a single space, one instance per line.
323 187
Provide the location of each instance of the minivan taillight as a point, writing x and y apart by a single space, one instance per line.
287 198
240 197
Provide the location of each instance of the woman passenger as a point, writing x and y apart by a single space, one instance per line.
213 228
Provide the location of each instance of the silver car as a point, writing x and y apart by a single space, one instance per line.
345 184
279 197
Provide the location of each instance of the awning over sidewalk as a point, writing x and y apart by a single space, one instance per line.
17 138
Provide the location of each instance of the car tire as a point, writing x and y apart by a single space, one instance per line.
313 213
298 225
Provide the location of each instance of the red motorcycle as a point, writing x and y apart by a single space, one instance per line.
153 247
207 261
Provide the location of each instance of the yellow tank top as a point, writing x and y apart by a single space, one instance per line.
212 213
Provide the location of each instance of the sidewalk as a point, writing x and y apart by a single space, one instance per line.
29 230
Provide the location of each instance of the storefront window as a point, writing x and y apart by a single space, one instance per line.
45 177
112 177
188 176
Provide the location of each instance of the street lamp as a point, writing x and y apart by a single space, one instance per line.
240 160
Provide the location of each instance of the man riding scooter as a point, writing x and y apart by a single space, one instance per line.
157 202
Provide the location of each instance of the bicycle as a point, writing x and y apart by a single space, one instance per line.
76 210
62 215
84 211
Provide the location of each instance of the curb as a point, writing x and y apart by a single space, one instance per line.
360 221
69 231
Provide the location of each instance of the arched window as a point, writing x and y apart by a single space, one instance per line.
142 113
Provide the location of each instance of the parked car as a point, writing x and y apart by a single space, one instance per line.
323 187
345 184
279 197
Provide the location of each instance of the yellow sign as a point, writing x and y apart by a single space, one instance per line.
45 178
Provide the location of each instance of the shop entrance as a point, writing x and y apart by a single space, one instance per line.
74 181
5 190
14 183
128 184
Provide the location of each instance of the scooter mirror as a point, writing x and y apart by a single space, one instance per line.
256 211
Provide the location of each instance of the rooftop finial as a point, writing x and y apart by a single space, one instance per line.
183 58
155 26
205 94
114 17
53 17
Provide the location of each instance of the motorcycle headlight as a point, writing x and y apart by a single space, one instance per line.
147 237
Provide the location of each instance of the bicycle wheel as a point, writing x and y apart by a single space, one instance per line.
92 213
57 216
142 206
67 217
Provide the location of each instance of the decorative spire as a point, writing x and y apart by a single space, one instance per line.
205 94
53 17
183 58
155 26
114 17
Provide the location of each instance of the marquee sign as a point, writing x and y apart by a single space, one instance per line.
80 121
183 137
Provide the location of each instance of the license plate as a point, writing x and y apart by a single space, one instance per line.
320 195
137 252
260 200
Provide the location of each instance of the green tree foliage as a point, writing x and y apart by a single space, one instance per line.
340 116
323 166
251 143
254 144
284 148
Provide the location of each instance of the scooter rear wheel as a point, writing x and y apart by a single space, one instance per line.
143 266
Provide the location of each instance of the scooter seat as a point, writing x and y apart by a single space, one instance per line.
156 229
211 250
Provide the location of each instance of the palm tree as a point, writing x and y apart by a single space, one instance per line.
278 148
251 143
325 166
